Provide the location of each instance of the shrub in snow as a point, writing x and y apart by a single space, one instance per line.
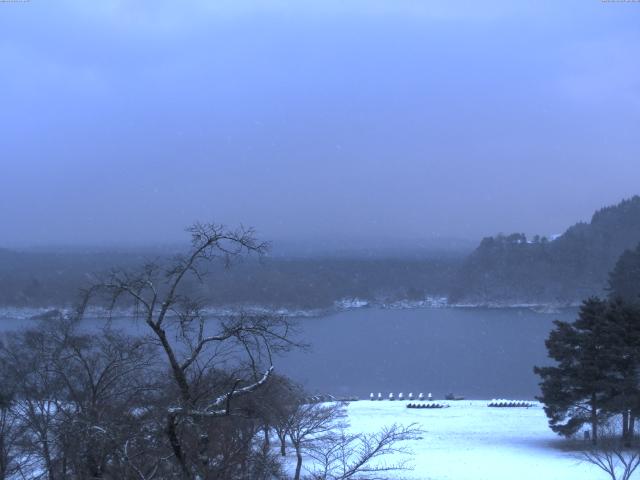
400 396
421 396
391 397
379 396
372 396
410 396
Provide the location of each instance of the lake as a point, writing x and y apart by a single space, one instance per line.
476 352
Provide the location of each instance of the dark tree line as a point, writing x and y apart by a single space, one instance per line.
46 279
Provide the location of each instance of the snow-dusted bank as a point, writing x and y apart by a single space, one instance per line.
471 441
21 314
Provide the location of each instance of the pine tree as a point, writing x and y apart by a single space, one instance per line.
578 387
623 320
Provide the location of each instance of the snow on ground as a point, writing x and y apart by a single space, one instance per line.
472 441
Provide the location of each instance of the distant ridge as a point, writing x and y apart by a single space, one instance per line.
508 269
44 278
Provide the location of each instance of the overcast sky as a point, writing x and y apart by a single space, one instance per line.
124 121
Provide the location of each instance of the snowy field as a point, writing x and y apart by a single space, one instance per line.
472 441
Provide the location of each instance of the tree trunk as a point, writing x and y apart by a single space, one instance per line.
47 458
594 420
632 425
178 374
267 441
283 443
203 450
298 464
63 468
3 460
176 446
625 427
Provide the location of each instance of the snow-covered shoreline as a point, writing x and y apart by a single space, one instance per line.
343 305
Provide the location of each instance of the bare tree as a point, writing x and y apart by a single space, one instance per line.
25 358
319 430
81 402
10 431
613 455
106 380
311 425
350 456
193 344
277 403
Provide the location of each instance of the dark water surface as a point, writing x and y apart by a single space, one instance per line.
475 352
479 353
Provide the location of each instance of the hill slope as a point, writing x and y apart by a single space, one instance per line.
512 269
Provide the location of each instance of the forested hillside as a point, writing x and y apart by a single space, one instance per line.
514 269
504 269
43 279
